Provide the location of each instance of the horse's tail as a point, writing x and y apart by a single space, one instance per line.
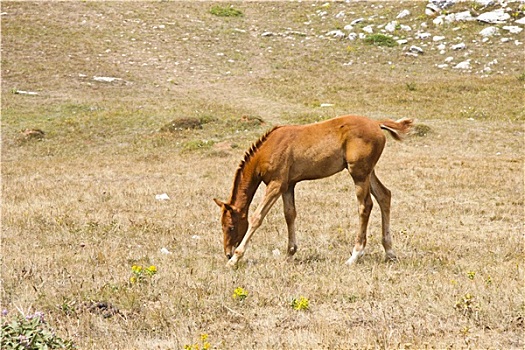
397 128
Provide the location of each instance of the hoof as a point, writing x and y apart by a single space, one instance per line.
232 263
292 250
390 256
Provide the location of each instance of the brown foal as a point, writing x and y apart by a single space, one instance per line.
286 155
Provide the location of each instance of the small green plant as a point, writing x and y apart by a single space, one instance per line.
411 86
301 303
142 274
225 11
239 294
521 77
202 345
195 145
471 275
380 40
30 332
468 306
421 130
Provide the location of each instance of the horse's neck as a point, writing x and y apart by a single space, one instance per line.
246 184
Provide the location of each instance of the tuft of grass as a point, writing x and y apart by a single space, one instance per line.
222 11
421 130
379 39
197 145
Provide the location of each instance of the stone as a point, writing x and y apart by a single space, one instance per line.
391 27
460 46
496 16
463 65
338 34
489 31
416 49
368 29
403 14
513 29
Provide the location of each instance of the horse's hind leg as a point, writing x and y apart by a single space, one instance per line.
382 194
289 215
362 186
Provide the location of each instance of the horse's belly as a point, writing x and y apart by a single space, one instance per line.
311 169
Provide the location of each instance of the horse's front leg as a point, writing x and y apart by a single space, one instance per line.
273 191
289 215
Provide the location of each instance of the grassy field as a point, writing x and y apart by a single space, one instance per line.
197 83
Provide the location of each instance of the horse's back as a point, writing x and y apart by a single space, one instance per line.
313 151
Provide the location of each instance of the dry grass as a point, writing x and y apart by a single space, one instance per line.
79 208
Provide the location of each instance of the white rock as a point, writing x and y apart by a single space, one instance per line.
505 40
402 41
403 14
520 21
439 20
355 21
165 251
324 105
423 35
463 65
348 27
162 197
106 79
441 47
459 46
362 36
449 59
463 16
338 34
22 92
416 49
497 16
391 27
405 28
513 29
352 36
441 66
443 4
267 34
196 237
276 252
438 38
489 31
368 29
432 10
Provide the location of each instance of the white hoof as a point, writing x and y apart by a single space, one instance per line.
355 255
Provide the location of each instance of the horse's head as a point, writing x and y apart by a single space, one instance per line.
234 226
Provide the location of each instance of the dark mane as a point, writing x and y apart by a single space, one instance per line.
247 156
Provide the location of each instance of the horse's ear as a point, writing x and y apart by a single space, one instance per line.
219 203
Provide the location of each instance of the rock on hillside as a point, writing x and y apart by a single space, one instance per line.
417 33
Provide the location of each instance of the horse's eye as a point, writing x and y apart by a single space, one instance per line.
231 229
